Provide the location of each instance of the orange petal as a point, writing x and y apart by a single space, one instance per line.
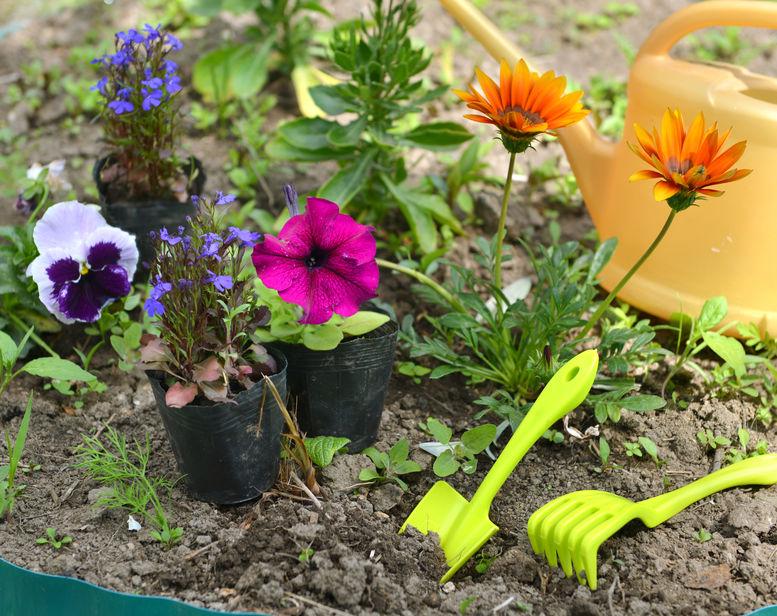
645 174
709 192
505 83
693 138
478 118
490 89
727 159
522 78
664 190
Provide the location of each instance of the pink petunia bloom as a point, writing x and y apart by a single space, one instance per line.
321 260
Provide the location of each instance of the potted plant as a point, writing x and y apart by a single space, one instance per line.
206 373
314 276
143 183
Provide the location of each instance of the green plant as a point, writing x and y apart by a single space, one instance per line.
385 92
454 455
54 368
53 539
702 535
123 467
413 370
466 603
723 45
741 452
646 445
697 334
306 555
484 559
709 440
389 466
607 100
322 449
9 489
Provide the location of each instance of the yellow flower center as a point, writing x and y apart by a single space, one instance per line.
84 269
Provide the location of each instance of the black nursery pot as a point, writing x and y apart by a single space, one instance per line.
225 454
142 216
341 392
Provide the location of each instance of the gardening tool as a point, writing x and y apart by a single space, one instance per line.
726 246
463 526
571 528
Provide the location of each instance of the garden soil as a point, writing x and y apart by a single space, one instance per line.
246 558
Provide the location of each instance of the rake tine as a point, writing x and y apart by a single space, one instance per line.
562 533
537 519
549 525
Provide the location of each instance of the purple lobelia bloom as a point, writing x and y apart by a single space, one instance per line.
321 260
246 238
222 283
83 265
120 106
222 199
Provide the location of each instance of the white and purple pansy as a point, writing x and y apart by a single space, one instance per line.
84 263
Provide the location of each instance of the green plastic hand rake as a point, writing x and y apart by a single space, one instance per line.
463 526
570 529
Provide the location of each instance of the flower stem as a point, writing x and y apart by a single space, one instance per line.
33 336
606 303
500 232
424 279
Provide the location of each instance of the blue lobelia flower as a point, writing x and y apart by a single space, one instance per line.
246 238
154 99
174 42
153 82
100 86
130 36
173 84
222 199
222 283
84 264
165 236
121 57
153 33
121 106
169 66
153 307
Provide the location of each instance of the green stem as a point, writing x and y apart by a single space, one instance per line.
606 303
37 339
424 279
500 232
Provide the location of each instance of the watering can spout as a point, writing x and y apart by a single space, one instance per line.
589 154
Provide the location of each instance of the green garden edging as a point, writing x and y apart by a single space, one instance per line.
27 593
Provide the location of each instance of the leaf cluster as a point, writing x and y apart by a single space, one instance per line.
9 489
389 466
454 455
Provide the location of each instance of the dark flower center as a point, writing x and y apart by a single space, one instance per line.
534 118
316 258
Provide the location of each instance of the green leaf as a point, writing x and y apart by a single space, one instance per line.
728 349
210 74
307 133
363 322
446 464
438 135
347 135
419 220
56 368
439 431
322 449
649 446
477 439
118 344
368 474
379 459
441 371
280 149
642 403
713 312
601 258
8 351
399 452
248 69
346 183
405 467
133 334
321 337
329 99
604 450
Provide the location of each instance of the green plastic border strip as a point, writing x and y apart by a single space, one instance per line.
765 611
27 593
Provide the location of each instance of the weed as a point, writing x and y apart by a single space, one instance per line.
9 489
322 449
389 466
306 555
737 454
53 539
454 455
702 535
709 440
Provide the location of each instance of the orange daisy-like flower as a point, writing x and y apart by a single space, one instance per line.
524 105
686 163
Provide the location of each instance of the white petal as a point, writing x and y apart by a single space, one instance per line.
66 225
124 241
37 270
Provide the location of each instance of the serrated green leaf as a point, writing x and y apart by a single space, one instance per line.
446 464
477 439
322 449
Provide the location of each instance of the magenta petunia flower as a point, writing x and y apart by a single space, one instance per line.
321 260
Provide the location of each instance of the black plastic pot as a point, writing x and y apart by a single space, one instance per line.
341 392
142 216
225 454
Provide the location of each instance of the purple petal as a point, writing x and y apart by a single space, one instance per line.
84 299
62 271
102 254
123 241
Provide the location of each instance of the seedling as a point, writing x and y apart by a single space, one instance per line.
740 453
9 489
702 535
322 449
389 466
452 456
306 555
646 445
413 370
124 468
484 560
53 539
709 440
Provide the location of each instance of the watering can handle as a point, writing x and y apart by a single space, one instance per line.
744 13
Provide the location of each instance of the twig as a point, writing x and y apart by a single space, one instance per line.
102 428
301 485
334 610
69 492
196 553
611 592
717 461
503 605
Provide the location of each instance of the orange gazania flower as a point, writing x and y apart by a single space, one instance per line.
524 104
686 163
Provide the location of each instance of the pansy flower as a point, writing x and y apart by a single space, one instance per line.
84 263
321 260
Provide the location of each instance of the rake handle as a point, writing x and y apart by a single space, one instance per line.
563 393
760 470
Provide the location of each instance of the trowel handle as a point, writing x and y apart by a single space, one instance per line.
759 470
744 13
563 393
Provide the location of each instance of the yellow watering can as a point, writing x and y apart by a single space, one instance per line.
728 245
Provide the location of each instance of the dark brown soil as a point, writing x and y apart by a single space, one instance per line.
246 557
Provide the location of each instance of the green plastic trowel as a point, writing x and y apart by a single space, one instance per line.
463 526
